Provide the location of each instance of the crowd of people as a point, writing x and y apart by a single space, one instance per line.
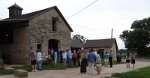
89 60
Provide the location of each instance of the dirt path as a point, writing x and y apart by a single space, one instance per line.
74 72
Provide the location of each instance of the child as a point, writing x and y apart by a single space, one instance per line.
83 65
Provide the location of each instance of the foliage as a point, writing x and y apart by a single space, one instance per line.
139 37
139 73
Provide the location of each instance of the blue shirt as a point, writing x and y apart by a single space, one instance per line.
91 57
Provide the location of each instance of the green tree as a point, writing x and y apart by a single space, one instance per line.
139 37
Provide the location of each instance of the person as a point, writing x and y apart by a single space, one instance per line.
133 61
52 54
74 57
61 56
83 66
118 58
33 60
91 61
127 62
110 59
82 54
55 57
49 59
69 56
78 57
64 56
98 64
39 59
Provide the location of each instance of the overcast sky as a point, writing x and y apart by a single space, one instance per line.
94 22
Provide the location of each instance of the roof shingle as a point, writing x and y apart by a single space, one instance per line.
101 43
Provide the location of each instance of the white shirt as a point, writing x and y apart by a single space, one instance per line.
39 56
64 55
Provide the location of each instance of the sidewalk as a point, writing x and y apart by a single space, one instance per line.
75 72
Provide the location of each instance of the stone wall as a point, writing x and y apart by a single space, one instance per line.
41 31
16 52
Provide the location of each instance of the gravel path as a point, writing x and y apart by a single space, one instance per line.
74 72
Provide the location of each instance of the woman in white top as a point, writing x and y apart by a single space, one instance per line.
64 56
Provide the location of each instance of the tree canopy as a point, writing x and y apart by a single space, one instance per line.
138 37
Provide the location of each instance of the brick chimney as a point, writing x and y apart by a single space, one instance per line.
15 11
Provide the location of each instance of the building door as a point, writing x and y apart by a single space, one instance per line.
101 52
53 44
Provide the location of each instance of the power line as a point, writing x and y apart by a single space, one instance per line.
83 8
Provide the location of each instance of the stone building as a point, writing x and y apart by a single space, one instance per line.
42 29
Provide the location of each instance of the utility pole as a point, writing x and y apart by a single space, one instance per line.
111 33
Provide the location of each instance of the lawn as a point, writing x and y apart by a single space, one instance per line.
29 69
6 71
139 73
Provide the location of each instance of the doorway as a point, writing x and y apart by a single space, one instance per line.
53 44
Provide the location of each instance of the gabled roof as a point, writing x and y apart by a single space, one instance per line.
31 15
76 43
100 43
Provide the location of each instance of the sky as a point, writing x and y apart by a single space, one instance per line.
93 22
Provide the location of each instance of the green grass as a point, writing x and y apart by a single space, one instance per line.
139 73
24 67
6 71
147 56
54 67
57 66
29 68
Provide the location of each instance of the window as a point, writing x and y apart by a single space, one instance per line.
39 46
6 36
54 22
